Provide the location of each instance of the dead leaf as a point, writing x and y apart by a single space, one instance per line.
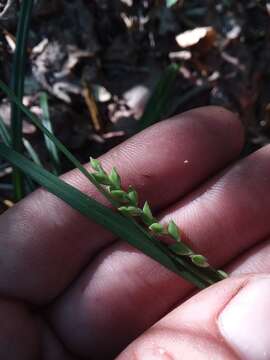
101 94
201 38
92 107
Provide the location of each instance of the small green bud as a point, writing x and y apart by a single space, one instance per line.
119 195
133 196
147 216
223 274
115 179
181 249
200 261
130 210
101 178
95 164
147 211
173 231
157 228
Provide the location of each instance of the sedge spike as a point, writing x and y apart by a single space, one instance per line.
128 206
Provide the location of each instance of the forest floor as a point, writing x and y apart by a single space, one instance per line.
99 61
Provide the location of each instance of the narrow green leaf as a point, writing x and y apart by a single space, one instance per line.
31 151
46 121
159 99
6 138
4 133
17 84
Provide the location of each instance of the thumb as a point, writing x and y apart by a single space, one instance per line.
230 320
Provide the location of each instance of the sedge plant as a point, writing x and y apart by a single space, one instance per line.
145 234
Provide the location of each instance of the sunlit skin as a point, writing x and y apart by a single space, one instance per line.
70 290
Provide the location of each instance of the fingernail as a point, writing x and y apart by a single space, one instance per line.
245 321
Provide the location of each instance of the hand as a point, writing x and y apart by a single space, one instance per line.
69 289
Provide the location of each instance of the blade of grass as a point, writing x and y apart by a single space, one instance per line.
17 84
116 223
35 120
46 121
32 152
6 138
158 101
4 133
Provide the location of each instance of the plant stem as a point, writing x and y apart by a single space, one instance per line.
17 84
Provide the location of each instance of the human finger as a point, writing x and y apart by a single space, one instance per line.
229 320
45 243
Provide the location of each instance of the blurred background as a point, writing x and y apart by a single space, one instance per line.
113 67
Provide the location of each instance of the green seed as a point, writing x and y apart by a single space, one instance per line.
147 211
181 249
115 179
102 178
133 196
200 261
130 210
120 195
174 231
95 164
157 228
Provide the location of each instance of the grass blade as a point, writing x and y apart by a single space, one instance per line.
158 101
114 222
4 133
17 84
32 152
35 120
46 121
6 138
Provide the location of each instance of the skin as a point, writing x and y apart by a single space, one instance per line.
70 290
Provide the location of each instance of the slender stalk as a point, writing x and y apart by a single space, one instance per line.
17 84
46 121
